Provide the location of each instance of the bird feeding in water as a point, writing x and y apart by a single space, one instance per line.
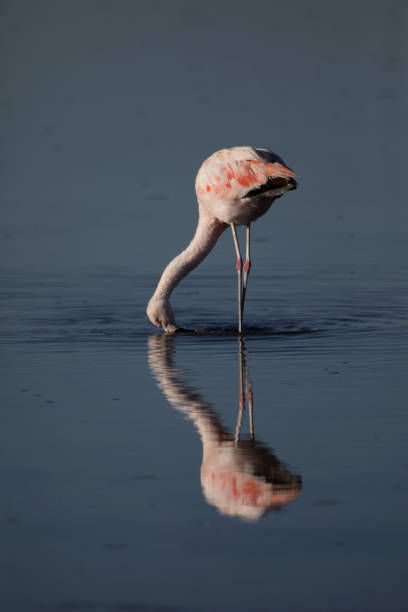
234 187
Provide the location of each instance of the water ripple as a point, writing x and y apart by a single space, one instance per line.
110 307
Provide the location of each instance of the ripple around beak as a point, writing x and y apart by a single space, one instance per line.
171 329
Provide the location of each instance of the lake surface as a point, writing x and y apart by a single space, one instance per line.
201 473
197 472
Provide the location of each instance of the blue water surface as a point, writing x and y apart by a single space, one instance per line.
196 471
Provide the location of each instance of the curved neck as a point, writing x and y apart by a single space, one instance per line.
207 233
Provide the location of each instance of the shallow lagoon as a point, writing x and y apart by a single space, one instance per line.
110 498
108 501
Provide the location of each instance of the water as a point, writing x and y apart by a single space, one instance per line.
197 472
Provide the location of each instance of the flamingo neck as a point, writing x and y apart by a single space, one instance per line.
207 233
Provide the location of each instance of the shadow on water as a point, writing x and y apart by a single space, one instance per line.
240 475
248 331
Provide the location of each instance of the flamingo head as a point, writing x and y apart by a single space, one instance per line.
161 314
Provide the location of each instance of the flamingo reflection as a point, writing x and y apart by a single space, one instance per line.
239 476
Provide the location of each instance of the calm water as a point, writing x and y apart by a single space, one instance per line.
194 472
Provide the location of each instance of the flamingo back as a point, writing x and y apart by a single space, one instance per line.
233 172
239 184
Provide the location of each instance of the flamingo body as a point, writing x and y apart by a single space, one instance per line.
238 185
234 187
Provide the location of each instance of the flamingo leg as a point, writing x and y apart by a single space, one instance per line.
239 272
247 266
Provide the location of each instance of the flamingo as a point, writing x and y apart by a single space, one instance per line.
234 187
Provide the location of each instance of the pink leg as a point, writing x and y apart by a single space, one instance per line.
247 266
239 271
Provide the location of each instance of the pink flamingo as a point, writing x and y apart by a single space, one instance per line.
234 187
